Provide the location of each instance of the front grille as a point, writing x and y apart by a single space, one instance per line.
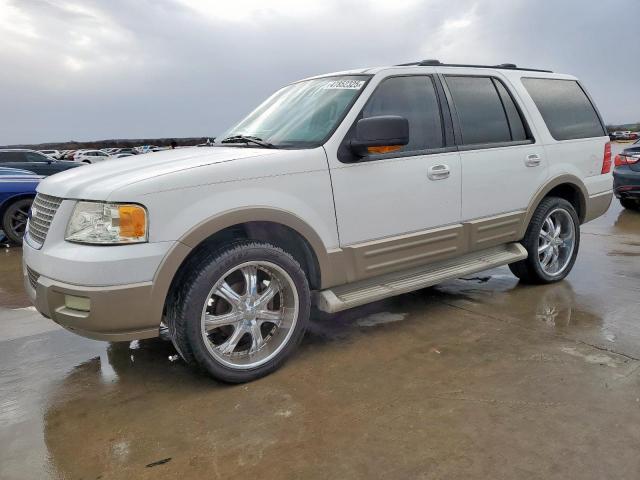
33 277
42 212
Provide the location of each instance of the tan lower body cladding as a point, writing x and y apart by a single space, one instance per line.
370 259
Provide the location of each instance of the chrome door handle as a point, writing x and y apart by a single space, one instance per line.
438 172
533 160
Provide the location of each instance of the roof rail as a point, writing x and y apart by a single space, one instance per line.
438 63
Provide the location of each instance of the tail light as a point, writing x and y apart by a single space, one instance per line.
626 160
606 160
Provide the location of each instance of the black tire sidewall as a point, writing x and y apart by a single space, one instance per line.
533 232
200 287
6 219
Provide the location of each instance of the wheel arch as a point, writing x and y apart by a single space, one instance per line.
11 200
569 187
279 227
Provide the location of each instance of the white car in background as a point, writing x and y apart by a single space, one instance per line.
51 153
90 156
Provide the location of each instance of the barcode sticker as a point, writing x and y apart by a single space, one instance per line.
344 85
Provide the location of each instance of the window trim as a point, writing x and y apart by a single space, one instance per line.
345 155
586 94
483 146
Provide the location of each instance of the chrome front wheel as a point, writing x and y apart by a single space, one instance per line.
250 314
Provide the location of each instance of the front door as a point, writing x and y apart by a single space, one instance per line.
400 209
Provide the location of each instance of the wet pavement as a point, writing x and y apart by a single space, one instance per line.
475 378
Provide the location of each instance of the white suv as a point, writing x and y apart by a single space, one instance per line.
338 190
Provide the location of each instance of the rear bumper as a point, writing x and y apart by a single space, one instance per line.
626 182
597 205
115 313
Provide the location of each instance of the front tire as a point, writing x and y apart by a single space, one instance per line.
14 220
552 241
241 311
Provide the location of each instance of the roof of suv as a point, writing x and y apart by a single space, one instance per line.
436 63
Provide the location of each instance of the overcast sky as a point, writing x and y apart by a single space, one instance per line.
98 69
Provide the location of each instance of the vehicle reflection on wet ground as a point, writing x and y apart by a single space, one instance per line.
475 378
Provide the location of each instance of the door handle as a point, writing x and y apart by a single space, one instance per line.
532 160
438 172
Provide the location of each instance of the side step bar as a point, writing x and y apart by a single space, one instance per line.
365 291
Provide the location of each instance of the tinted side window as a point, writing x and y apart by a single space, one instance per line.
6 157
565 108
415 99
36 157
480 112
518 132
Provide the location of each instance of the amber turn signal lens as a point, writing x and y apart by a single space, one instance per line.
385 149
133 221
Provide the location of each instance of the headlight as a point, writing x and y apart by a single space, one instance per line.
107 223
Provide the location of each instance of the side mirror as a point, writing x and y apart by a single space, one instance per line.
382 134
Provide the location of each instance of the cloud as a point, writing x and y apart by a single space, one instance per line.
95 69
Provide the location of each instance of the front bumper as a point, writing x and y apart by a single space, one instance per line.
116 313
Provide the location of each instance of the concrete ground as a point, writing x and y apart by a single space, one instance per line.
476 378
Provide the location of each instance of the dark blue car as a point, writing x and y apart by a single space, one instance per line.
17 191
626 177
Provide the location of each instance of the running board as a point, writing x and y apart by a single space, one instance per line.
370 290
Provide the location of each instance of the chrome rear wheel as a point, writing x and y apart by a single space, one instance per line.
556 242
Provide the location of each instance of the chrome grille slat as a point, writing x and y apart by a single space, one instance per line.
45 207
33 277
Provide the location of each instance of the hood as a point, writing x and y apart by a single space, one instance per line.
97 181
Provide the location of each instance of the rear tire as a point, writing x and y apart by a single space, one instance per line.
15 218
241 311
552 241
630 204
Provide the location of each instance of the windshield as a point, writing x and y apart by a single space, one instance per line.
302 114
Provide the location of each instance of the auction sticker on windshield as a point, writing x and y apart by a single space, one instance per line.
345 85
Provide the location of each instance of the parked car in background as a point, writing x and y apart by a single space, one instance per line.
122 155
17 191
51 153
90 156
68 155
145 148
33 161
341 189
626 176
623 135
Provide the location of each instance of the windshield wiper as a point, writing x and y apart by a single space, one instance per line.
247 139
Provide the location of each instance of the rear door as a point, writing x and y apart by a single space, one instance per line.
502 164
39 163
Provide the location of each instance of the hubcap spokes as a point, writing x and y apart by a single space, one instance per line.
556 242
249 314
18 220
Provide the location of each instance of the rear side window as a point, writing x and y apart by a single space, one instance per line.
413 98
486 111
565 108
